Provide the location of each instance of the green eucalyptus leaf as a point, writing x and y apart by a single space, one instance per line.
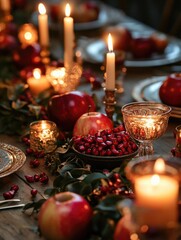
66 167
78 172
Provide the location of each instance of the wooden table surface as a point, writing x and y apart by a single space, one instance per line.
15 225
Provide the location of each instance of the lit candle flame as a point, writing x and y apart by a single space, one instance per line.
155 179
67 10
41 9
37 73
43 125
28 36
110 43
159 166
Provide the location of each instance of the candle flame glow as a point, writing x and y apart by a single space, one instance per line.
37 73
67 10
155 179
41 9
28 36
110 43
43 125
159 166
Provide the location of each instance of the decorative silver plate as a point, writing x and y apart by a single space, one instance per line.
148 90
11 159
95 50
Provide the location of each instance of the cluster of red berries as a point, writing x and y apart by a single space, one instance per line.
110 142
113 185
11 193
42 177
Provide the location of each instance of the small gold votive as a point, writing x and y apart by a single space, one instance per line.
43 136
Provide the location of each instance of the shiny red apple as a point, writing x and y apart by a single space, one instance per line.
121 37
90 123
65 109
142 47
170 90
65 216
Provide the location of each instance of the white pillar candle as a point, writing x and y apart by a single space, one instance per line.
37 83
110 66
157 197
5 5
68 38
43 26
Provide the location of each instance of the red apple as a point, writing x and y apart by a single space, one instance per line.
65 109
65 216
170 90
121 37
121 231
90 123
142 47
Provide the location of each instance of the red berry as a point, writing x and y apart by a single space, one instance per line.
34 192
9 195
36 178
29 178
14 187
34 163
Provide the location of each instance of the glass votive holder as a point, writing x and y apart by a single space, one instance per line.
43 136
156 181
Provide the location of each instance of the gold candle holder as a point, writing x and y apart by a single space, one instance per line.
43 136
110 102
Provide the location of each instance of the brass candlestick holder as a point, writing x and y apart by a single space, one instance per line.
110 102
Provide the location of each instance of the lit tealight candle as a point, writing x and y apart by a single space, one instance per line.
43 26
110 66
43 136
68 38
38 83
157 195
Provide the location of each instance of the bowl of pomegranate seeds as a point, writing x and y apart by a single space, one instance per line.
108 148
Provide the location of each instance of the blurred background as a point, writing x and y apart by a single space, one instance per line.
163 15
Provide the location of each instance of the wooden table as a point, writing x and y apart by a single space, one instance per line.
17 225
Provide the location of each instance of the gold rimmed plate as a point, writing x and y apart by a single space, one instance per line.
12 159
105 162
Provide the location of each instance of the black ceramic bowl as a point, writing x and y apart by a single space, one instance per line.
105 162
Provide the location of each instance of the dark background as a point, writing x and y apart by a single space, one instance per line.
163 15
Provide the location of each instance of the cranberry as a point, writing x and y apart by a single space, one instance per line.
36 177
29 178
29 151
34 192
14 187
34 163
44 179
9 195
